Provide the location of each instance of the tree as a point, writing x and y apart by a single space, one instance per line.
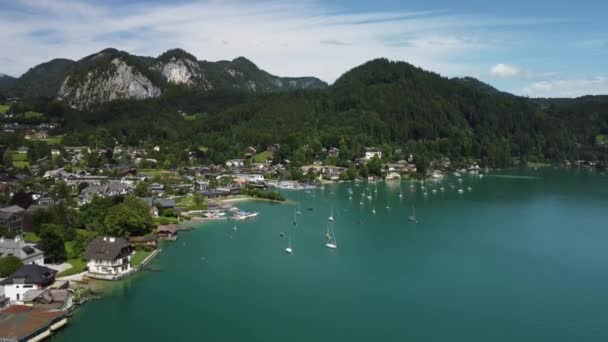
142 189
22 199
130 218
9 265
62 190
198 199
52 244
7 158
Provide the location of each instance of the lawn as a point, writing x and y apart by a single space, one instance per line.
31 237
20 160
52 140
156 172
78 266
139 257
262 157
32 115
4 108
190 117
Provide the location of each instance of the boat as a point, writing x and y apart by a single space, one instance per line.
469 188
374 211
331 237
289 250
242 215
433 191
234 228
460 191
412 217
331 216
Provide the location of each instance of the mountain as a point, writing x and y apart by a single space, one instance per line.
393 105
6 81
42 80
117 75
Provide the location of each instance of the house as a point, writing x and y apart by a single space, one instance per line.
167 232
250 151
28 253
58 299
104 190
12 218
28 277
157 188
273 148
109 258
333 152
371 152
235 163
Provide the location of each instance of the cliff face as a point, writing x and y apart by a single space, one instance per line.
183 71
116 82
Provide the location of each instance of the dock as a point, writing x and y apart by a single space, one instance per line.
27 323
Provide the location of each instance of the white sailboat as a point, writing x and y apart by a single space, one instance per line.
412 217
374 211
289 250
331 216
331 237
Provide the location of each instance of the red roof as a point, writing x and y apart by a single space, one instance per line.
18 321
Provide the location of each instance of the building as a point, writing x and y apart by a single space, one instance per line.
12 218
273 148
109 257
333 152
26 252
371 152
235 163
106 190
167 232
28 277
250 151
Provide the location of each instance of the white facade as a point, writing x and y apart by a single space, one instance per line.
15 291
372 153
112 268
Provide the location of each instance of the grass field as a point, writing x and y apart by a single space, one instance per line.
155 172
139 257
78 266
51 140
31 237
190 117
262 157
4 108
20 160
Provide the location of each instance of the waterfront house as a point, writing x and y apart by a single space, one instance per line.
28 277
371 152
148 240
12 218
167 232
109 257
28 253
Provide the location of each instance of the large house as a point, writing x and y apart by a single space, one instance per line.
28 277
371 152
12 218
26 252
105 190
109 257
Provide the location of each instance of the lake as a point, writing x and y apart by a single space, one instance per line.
520 257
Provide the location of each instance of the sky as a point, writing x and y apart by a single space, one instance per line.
535 48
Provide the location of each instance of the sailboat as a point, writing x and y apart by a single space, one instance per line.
331 237
413 216
288 250
298 212
331 216
374 211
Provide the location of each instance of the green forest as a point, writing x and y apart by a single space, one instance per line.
391 105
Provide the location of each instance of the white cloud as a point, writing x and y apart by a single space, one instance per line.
505 71
567 87
290 38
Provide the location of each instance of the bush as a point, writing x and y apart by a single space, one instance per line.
9 265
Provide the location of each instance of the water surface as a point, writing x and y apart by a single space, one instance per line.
515 259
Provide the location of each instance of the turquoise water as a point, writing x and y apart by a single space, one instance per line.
515 259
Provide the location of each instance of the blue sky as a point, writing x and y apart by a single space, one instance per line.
533 48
